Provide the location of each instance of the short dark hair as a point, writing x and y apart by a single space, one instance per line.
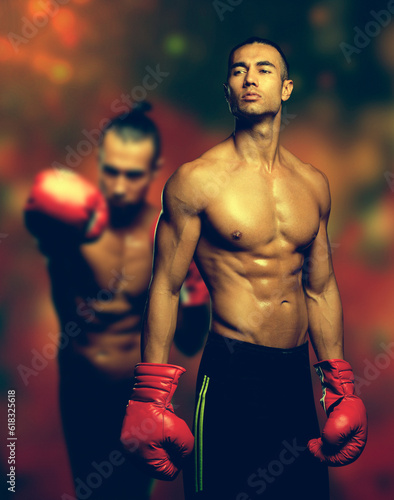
263 41
134 125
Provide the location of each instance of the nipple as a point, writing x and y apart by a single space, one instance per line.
237 235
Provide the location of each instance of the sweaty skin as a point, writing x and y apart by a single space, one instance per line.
252 246
256 217
102 286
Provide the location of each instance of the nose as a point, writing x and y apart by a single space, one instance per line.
120 186
251 78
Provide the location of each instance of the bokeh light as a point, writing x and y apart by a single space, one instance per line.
66 25
320 15
175 44
60 71
6 50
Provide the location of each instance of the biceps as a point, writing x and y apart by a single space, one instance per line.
175 243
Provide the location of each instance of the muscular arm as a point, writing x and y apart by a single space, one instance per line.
177 235
321 290
344 434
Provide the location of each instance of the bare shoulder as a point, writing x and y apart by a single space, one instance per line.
183 190
320 183
186 188
316 180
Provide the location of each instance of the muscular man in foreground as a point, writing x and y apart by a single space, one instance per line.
99 246
255 218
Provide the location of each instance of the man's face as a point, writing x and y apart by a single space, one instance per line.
126 169
254 86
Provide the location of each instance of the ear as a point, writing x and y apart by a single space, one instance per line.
226 91
287 89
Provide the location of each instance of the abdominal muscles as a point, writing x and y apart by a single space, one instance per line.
261 302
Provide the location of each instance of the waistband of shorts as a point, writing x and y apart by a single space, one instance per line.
235 344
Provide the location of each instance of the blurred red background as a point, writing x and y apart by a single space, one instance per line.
66 66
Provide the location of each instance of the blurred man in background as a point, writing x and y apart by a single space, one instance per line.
99 246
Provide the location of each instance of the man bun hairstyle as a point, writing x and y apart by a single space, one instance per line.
134 125
141 107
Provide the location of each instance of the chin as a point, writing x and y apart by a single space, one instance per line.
252 112
248 114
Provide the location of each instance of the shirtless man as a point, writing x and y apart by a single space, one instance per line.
99 246
255 218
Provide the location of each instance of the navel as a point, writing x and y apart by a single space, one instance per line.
236 235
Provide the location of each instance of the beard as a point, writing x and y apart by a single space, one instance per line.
121 214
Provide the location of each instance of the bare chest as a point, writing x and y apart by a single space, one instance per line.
120 263
253 211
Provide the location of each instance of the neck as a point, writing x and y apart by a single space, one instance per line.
124 217
258 141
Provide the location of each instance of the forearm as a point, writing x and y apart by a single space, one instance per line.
326 321
159 325
177 235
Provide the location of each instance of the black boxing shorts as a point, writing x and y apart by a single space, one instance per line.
254 416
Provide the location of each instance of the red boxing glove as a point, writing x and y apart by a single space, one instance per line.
63 206
193 291
345 434
151 431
